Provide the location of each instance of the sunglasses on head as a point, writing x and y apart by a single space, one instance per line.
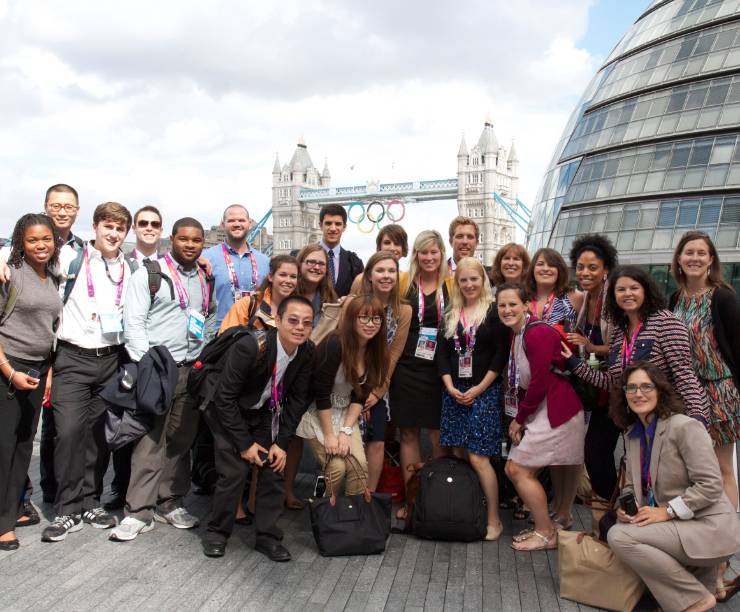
145 223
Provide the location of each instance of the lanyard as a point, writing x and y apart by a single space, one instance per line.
513 370
546 309
232 271
91 287
470 334
646 451
182 293
627 347
439 299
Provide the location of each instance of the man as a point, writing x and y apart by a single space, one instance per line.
464 236
89 351
238 269
343 265
148 230
183 321
259 402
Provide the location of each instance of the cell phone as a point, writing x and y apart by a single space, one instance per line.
263 457
319 488
34 373
628 504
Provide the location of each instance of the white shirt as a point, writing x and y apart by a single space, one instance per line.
282 360
336 250
80 321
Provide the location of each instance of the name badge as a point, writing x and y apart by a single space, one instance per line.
426 345
239 294
111 322
196 323
465 366
511 405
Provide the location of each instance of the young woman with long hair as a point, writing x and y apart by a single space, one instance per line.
313 280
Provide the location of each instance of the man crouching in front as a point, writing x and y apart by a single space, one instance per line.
260 399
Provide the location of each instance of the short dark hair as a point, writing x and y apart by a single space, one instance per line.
147 208
332 209
187 222
19 232
552 258
396 234
599 245
654 298
112 211
297 299
61 188
520 289
668 401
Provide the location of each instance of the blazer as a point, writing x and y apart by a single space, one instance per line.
350 265
685 474
243 380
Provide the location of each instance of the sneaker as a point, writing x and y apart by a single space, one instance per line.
129 528
98 518
60 527
179 517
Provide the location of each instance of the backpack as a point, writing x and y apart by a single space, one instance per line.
206 371
450 504
74 272
15 289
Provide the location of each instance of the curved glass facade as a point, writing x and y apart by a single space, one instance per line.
652 150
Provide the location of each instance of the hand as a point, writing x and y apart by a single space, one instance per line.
252 454
580 340
516 431
648 515
46 402
623 517
4 271
455 394
469 396
343 444
23 382
331 444
206 265
371 400
277 457
566 352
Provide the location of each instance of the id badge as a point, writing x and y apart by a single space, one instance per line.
426 345
196 323
239 294
465 366
511 405
111 322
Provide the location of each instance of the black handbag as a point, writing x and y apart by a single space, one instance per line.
351 524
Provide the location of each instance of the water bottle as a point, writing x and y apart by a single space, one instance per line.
593 362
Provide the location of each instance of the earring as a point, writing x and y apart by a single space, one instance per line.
680 270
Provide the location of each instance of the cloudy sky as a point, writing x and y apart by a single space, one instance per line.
185 104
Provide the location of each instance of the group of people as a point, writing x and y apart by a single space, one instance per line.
515 361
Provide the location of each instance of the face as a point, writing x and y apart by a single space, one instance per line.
463 242
62 207
642 401
313 268
511 310
148 228
470 283
386 244
187 245
109 235
332 228
367 324
294 327
544 273
429 259
629 294
284 281
590 271
695 259
384 276
38 244
512 267
236 223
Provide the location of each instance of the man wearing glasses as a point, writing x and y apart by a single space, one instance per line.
148 230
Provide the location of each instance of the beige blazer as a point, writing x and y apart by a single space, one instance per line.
685 473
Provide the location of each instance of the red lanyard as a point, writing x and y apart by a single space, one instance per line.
627 347
439 299
232 271
469 335
182 293
91 287
546 309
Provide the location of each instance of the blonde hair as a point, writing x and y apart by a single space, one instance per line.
452 315
424 241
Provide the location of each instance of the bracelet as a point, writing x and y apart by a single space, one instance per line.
2 363
10 378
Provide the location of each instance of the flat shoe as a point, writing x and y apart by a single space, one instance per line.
494 532
274 551
214 549
10 545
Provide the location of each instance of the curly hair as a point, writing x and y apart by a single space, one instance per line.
653 302
19 232
668 400
597 244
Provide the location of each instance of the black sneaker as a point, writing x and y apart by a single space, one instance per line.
98 518
60 527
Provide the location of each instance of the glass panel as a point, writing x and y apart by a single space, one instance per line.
584 225
722 150
613 220
733 177
731 211
598 225
630 219
624 243
700 152
715 176
693 178
673 180
726 237
649 217
687 212
710 209
643 240
662 239
667 216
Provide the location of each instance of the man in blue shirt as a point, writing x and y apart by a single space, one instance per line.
238 269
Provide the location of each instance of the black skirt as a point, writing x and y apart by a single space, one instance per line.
415 394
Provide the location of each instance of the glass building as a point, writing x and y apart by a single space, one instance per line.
653 148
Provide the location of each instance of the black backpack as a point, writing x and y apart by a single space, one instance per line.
450 504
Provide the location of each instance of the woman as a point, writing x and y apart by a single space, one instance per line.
644 331
348 364
548 426
416 389
391 238
313 281
29 312
381 279
684 525
472 354
509 265
546 281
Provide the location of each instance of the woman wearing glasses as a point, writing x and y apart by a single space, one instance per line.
348 364
313 281
675 523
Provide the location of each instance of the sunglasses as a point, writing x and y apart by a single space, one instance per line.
295 322
144 223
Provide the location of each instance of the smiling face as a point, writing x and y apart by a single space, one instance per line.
332 228
63 208
284 281
629 294
590 271
464 242
545 275
236 223
148 228
384 276
38 245
429 259
187 245
470 283
294 327
512 267
642 403
314 267
695 259
109 235
511 309
367 325
386 244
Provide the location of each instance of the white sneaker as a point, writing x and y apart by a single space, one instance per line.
179 517
129 528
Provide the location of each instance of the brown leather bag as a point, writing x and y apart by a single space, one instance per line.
328 322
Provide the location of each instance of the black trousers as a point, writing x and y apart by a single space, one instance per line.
204 466
601 440
46 465
121 470
19 417
232 476
80 450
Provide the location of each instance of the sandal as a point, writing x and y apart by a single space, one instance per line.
562 524
729 589
402 513
520 513
522 535
548 543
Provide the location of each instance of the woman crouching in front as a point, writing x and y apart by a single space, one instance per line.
684 525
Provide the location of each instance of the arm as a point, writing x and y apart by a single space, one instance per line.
542 343
136 308
295 402
501 342
728 309
210 330
326 362
396 348
238 314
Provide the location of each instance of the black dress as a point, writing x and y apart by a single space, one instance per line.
415 392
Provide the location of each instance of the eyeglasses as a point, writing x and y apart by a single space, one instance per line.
368 319
644 388
295 322
56 207
144 223
315 263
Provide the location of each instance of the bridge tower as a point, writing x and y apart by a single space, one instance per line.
295 223
485 169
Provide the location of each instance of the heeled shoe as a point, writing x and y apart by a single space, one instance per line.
494 532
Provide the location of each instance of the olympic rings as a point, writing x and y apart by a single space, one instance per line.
379 218
349 212
395 202
375 217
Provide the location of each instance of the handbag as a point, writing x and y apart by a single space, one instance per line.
591 574
350 524
391 481
328 322
603 512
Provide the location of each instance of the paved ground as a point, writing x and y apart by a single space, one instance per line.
166 570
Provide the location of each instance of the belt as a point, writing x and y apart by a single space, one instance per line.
100 351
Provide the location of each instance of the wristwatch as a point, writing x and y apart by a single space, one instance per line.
346 430
671 513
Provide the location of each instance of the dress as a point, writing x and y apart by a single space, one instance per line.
713 372
477 427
